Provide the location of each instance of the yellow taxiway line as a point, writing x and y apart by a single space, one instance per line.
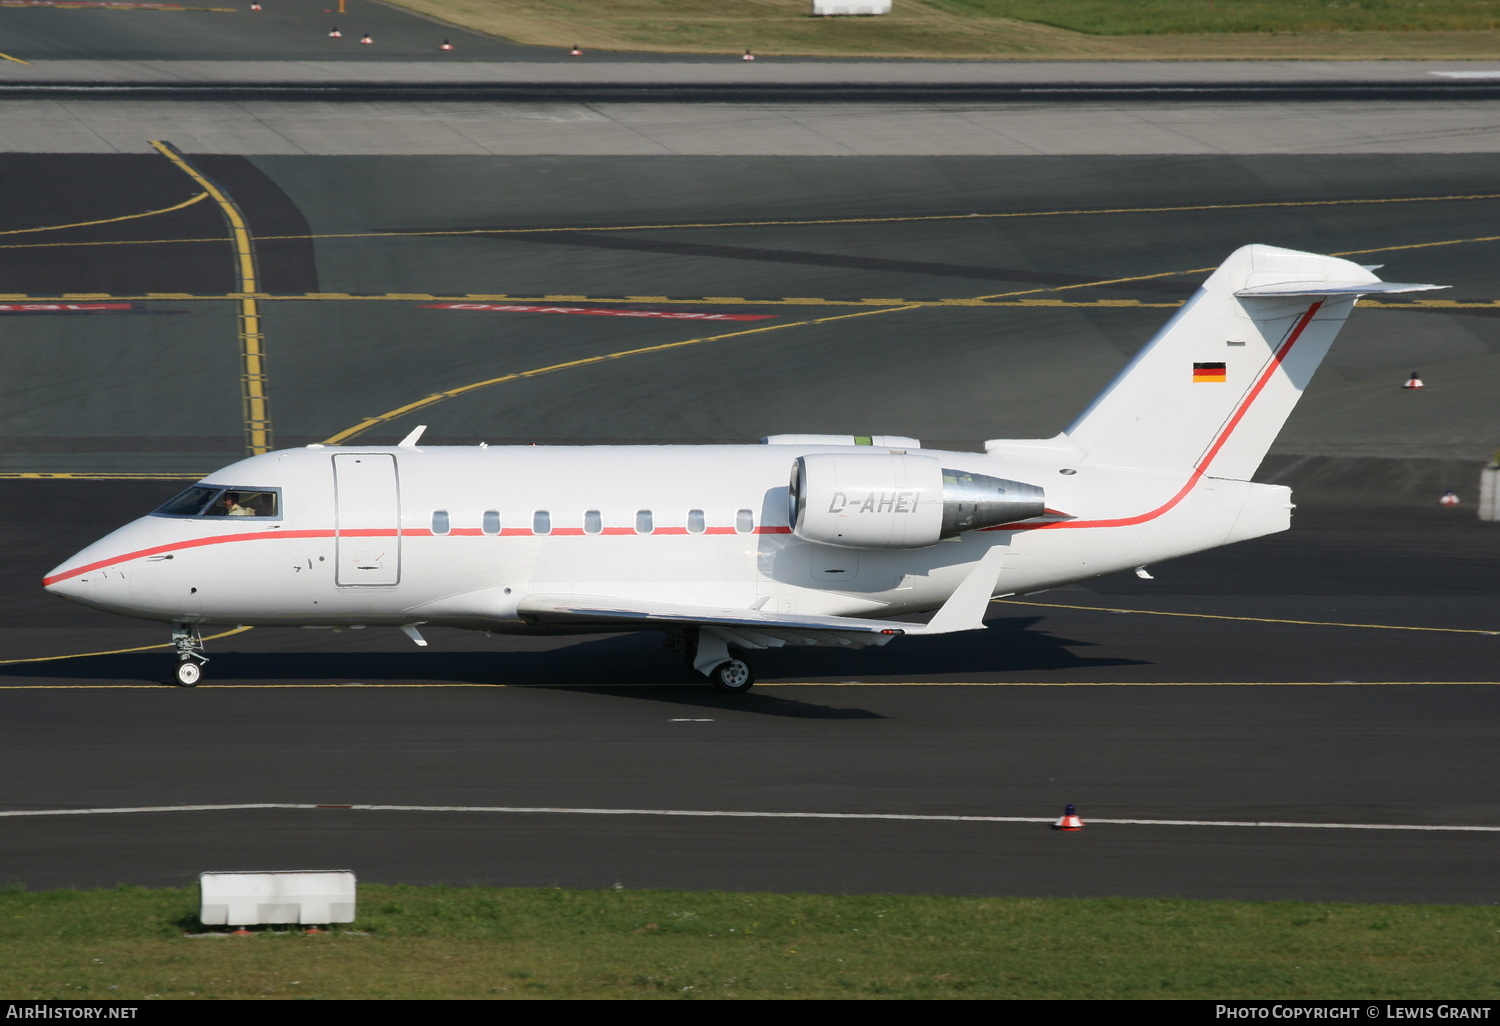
1249 619
255 402
116 651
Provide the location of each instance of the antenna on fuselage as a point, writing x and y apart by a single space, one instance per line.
410 441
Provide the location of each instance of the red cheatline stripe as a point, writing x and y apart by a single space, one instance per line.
1208 457
59 307
371 533
674 315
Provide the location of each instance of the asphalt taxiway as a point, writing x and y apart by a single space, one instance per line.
1340 674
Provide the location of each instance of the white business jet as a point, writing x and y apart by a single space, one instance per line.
801 540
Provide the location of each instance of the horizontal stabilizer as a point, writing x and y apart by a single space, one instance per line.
1333 288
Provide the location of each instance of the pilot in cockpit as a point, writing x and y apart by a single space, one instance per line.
232 508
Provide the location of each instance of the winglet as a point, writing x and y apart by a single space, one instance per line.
410 441
964 610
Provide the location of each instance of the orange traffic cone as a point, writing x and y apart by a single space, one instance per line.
446 45
1448 499
1414 382
335 34
255 7
748 56
575 52
366 39
1069 820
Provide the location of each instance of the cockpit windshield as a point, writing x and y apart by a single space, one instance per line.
213 501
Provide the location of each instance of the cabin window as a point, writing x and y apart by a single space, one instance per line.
440 521
695 521
645 523
541 522
593 523
218 501
491 521
744 521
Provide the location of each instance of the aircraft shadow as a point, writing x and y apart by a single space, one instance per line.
631 666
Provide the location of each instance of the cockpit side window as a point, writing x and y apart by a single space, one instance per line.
189 503
215 501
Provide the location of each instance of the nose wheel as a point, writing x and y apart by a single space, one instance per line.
190 657
188 673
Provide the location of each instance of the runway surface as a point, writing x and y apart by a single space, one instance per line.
1341 673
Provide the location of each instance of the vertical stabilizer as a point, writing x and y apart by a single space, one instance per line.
1212 390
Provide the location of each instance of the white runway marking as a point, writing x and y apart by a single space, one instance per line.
724 814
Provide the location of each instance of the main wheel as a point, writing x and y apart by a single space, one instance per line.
189 673
733 676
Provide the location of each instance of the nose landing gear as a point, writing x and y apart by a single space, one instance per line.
190 657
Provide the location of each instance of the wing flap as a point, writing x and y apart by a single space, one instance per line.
554 610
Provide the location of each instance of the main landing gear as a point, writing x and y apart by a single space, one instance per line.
733 676
709 654
190 657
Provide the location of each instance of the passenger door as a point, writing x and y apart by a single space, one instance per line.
367 519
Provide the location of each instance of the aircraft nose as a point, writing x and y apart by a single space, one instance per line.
66 581
82 578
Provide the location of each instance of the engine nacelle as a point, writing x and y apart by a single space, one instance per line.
897 501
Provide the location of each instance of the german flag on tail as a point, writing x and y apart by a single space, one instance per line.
1208 372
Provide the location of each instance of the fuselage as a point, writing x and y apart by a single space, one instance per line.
460 535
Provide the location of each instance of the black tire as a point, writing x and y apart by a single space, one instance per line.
733 677
188 673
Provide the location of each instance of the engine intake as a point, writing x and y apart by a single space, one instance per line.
895 501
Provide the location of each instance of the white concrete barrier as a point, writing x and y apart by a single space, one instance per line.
832 7
1489 492
278 896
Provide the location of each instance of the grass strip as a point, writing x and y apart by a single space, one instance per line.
132 944
1027 29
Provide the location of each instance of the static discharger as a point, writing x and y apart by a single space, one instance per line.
1069 820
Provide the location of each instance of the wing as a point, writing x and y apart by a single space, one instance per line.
748 627
752 628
